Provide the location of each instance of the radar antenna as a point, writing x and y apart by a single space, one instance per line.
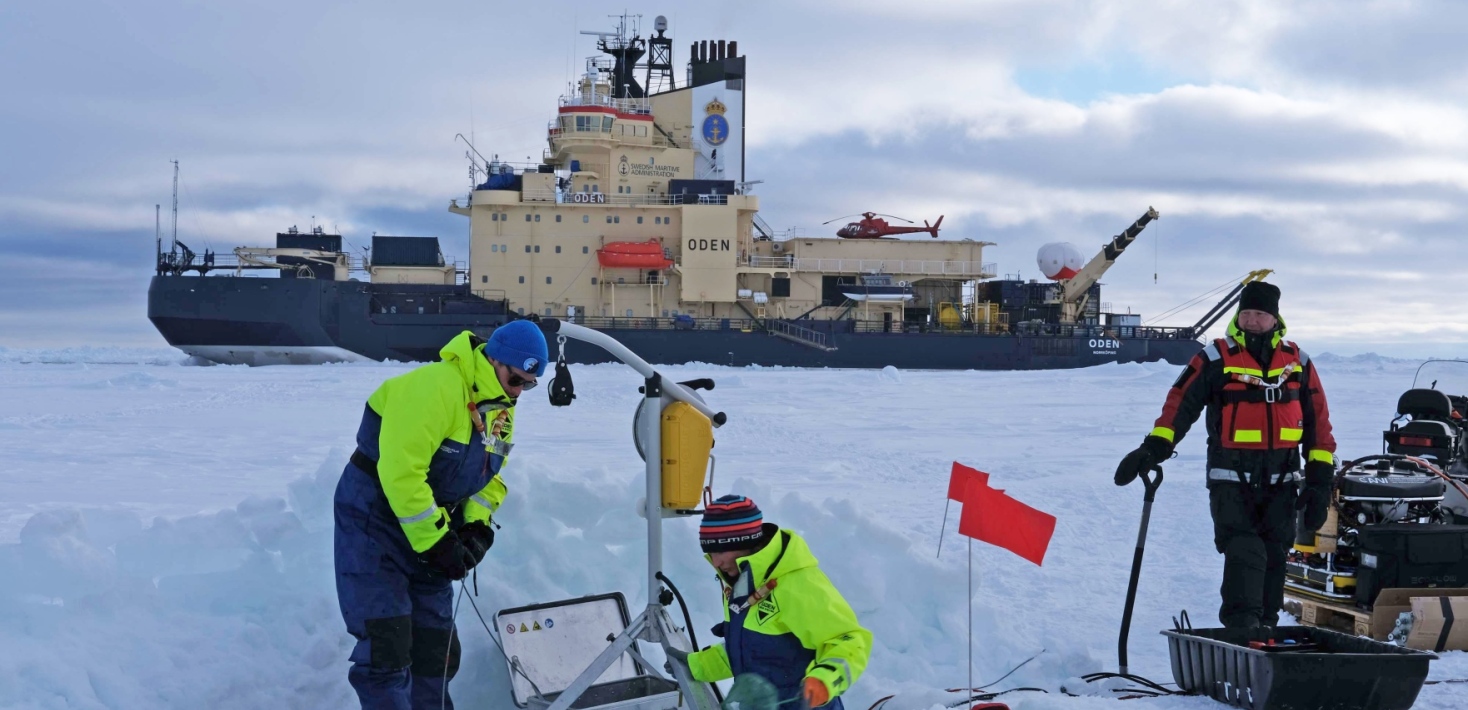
659 76
626 49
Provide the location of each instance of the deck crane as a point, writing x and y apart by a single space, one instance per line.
1075 291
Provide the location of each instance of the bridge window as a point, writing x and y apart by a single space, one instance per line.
585 218
522 279
639 219
537 248
609 219
484 279
537 218
527 248
585 250
494 247
617 219
527 217
593 281
547 280
504 248
606 127
558 248
558 218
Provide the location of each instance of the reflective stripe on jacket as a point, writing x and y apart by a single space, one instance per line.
803 628
419 430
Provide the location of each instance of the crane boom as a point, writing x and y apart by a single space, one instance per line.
1075 290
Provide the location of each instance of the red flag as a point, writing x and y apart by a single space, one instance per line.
961 477
993 517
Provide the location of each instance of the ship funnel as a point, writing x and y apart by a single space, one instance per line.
733 48
721 49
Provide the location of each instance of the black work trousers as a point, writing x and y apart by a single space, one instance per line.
1253 528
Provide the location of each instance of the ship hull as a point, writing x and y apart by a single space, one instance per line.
266 321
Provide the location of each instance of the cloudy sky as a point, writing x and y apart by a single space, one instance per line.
1325 140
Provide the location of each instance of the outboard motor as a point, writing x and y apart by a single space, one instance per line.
1375 491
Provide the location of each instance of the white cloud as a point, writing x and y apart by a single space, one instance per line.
1327 141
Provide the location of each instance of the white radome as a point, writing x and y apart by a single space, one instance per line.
1059 260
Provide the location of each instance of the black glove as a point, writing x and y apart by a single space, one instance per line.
1154 450
1315 496
674 654
477 538
448 557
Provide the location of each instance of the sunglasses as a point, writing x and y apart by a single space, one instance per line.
516 380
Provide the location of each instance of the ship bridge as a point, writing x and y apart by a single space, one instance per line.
639 208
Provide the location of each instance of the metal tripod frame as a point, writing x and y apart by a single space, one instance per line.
653 624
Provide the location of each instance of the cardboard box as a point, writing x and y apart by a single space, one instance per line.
1439 623
1391 603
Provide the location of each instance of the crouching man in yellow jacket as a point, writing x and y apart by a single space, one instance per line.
783 620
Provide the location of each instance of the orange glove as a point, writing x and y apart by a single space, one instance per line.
815 693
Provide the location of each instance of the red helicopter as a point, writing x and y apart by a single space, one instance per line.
870 227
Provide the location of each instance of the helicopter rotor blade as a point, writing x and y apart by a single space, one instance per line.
833 220
893 216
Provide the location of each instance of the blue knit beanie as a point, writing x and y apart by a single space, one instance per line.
518 344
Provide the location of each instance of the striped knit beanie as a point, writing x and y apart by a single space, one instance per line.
731 523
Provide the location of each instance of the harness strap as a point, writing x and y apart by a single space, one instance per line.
1269 396
1227 474
755 597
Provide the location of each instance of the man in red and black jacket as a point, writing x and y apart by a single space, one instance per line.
1264 407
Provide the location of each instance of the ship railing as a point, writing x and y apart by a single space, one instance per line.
643 281
231 262
799 334
639 107
770 262
489 294
924 267
1056 330
540 194
652 323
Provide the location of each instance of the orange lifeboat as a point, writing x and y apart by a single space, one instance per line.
633 255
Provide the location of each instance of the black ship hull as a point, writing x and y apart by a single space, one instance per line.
267 321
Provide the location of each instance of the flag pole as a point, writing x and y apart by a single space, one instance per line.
970 619
944 527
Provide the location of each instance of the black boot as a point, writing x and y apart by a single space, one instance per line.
1244 570
1274 583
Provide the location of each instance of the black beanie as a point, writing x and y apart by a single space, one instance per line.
1260 296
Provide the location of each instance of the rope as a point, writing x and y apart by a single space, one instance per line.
1195 300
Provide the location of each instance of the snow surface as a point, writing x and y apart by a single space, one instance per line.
165 532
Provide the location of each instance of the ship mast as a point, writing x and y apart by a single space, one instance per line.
174 247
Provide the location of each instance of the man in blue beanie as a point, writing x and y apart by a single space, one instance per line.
413 509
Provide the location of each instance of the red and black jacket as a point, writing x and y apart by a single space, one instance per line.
1258 418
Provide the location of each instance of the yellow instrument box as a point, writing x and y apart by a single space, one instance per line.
688 438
